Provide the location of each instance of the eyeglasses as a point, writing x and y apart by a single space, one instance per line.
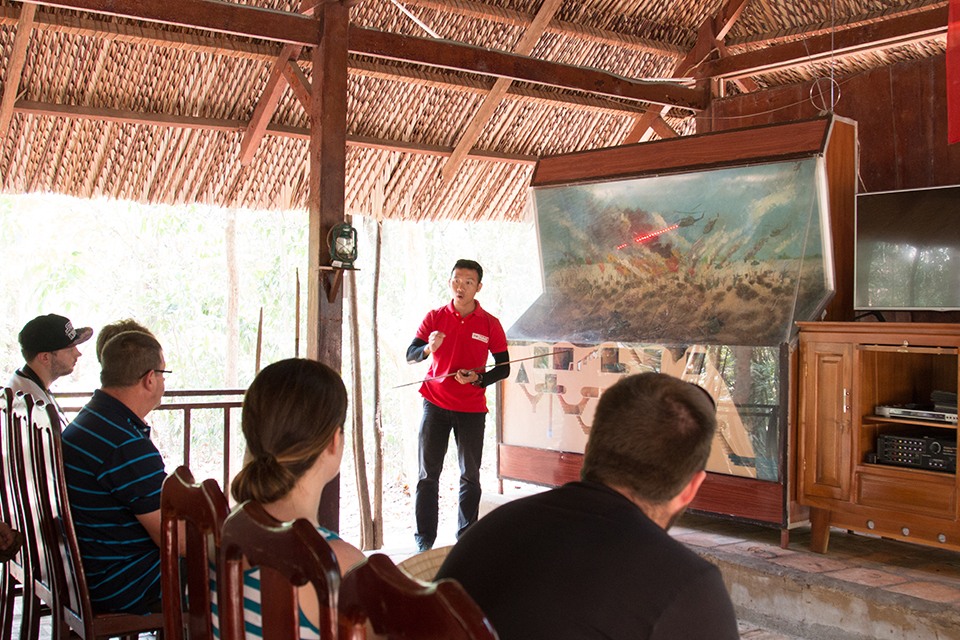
164 371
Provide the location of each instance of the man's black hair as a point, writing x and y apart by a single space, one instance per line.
469 264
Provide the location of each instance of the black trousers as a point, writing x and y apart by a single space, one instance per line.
434 436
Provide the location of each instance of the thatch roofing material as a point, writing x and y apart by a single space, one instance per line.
108 73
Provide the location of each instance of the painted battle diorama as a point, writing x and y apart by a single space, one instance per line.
730 256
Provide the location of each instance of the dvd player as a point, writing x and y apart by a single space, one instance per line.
913 413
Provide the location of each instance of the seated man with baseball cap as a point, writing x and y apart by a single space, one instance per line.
49 347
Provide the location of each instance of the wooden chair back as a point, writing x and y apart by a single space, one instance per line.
397 606
74 609
25 506
289 555
13 575
202 508
36 512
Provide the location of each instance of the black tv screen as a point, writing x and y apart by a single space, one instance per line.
908 250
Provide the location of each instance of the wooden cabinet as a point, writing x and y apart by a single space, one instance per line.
847 371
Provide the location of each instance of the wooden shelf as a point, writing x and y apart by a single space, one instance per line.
871 418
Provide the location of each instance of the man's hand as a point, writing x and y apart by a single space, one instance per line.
465 376
434 342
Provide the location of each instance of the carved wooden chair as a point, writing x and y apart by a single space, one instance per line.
11 573
289 555
202 508
73 611
397 606
24 567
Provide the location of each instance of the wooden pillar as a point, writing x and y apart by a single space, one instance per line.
328 157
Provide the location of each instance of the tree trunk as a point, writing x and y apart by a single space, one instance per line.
233 302
377 423
359 456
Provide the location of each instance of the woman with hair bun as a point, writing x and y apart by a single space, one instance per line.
292 419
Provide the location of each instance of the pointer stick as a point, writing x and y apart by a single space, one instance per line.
481 368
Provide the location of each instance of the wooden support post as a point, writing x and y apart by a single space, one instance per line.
328 158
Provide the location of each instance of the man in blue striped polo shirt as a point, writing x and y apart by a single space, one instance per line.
114 474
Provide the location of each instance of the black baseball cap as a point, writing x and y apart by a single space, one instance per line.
52 333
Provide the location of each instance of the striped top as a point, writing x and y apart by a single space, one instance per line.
252 620
114 473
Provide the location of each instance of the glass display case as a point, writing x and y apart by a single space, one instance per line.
701 274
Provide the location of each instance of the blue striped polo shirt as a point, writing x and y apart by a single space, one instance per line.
114 473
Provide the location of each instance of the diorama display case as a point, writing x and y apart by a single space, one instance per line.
693 257
850 372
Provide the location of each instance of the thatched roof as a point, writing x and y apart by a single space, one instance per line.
139 110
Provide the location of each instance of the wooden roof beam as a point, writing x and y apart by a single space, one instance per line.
490 102
118 116
863 38
500 15
269 99
18 57
292 28
463 57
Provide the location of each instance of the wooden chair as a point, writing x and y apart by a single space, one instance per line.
73 610
25 566
398 606
289 555
202 508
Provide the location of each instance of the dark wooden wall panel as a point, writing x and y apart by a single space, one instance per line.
901 114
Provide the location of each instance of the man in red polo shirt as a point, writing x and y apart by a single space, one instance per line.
459 335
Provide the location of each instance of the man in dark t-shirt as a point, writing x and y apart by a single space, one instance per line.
592 559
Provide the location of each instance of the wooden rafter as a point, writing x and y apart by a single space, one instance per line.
490 102
11 82
292 28
276 84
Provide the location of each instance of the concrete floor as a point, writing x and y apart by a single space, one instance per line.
864 587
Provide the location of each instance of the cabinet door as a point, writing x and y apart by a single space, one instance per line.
826 419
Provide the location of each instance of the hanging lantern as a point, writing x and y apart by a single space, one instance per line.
343 245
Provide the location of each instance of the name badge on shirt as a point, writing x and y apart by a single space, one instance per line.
481 338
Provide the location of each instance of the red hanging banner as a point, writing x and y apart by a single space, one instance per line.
953 73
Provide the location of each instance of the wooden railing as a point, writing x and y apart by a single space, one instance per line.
187 402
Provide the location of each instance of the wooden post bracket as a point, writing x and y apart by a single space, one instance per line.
332 278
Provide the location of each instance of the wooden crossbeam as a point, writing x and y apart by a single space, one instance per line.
18 57
490 102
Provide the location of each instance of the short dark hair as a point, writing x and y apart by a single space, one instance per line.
651 433
126 357
291 412
469 264
115 328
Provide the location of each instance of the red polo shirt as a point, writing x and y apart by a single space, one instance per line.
466 344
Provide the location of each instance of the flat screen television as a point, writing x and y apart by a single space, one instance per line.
908 250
